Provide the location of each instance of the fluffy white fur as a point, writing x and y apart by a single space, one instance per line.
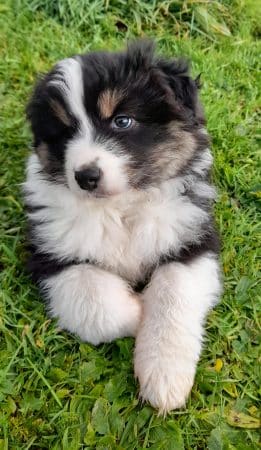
97 305
122 232
169 338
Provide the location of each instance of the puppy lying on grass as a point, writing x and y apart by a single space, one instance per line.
120 210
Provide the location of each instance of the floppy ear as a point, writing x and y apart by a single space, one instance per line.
183 88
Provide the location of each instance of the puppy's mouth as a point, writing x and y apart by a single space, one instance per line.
106 193
101 193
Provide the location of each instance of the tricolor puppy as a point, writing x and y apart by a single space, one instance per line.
120 210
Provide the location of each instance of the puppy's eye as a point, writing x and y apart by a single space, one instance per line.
122 122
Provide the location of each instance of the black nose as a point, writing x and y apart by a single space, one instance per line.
88 178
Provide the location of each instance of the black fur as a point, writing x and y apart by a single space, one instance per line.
43 265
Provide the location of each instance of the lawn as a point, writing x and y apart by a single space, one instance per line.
55 391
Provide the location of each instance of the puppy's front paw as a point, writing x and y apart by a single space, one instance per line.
165 382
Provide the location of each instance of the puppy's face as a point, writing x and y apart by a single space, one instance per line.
105 123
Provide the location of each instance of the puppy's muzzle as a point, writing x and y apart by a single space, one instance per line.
88 178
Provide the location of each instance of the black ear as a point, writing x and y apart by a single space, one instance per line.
183 87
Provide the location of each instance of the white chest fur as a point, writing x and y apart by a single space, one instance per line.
124 233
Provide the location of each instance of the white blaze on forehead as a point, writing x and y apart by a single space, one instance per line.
69 80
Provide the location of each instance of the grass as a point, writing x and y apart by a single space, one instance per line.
55 391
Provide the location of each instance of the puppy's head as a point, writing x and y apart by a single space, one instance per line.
104 123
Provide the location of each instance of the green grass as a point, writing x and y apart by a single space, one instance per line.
59 393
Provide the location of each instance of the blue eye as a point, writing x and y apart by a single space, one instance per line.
122 122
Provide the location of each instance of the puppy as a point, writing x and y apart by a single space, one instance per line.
119 207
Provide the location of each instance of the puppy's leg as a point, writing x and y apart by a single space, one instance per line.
97 305
169 338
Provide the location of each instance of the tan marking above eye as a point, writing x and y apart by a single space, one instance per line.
107 102
60 112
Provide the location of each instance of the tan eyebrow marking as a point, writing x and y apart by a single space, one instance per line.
60 112
107 102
